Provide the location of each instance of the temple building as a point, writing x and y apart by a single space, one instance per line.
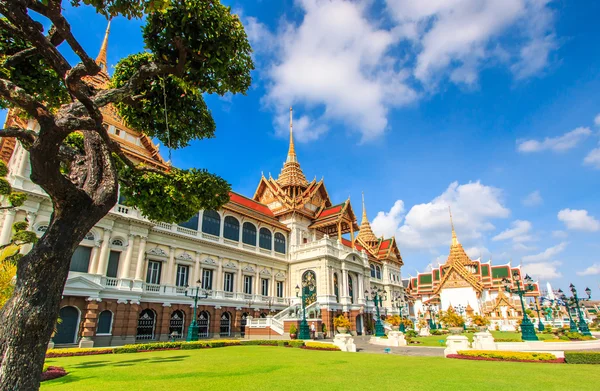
470 287
131 279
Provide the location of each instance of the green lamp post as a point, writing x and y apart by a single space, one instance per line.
461 310
583 327
527 329
307 287
377 296
193 329
400 303
540 324
565 301
432 311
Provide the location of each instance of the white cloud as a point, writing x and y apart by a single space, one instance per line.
597 120
593 158
533 199
579 220
543 270
427 226
386 223
518 233
562 143
591 270
521 247
477 252
547 254
559 234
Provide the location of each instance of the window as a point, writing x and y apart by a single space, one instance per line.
153 275
211 223
225 329
176 324
146 324
264 239
207 276
117 242
121 200
336 289
248 285
279 288
280 243
264 286
350 289
104 322
80 261
183 271
228 282
231 228
378 271
249 234
372 271
113 264
192 223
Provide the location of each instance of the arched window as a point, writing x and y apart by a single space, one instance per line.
336 289
243 324
279 243
192 223
264 239
176 324
225 330
249 234
203 323
104 322
372 271
350 289
117 242
378 270
90 236
211 222
146 324
231 230
67 330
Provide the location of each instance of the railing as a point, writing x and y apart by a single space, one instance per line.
210 237
122 209
166 226
154 288
180 290
111 281
187 231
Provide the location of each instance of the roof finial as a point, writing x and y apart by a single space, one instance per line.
364 214
101 59
454 238
291 157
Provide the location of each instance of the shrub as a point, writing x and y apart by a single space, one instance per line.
507 340
480 320
394 320
51 372
51 353
296 344
407 323
435 332
502 355
293 329
323 328
261 342
582 357
410 333
320 346
451 319
341 321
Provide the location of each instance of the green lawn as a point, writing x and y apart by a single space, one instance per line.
434 340
269 368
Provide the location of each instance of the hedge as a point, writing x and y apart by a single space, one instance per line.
320 346
51 353
503 355
582 357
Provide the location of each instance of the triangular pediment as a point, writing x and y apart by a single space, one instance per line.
80 282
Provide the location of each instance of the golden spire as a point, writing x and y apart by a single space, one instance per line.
454 238
101 59
291 173
366 233
457 253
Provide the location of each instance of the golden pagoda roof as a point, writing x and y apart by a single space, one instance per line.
291 173
366 234
100 81
457 252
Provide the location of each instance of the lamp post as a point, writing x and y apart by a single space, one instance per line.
540 324
527 329
304 332
583 327
432 311
377 296
400 303
461 310
193 329
565 301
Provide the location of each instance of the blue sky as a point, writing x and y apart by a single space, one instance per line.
488 106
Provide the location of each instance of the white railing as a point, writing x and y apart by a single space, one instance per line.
187 231
154 288
210 237
110 281
180 290
166 226
122 209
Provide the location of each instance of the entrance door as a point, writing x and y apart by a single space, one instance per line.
359 324
67 329
243 324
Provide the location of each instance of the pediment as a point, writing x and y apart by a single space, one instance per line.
80 282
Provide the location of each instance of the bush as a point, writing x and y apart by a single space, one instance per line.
341 321
51 353
507 340
451 319
320 346
52 373
479 320
514 356
410 333
296 344
394 320
582 357
435 332
576 336
293 329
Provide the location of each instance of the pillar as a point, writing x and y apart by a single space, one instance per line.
219 283
165 322
9 219
89 324
170 277
197 269
124 272
94 256
257 283
132 318
141 260
104 253
240 279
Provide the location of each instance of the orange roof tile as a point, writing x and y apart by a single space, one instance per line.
331 210
250 204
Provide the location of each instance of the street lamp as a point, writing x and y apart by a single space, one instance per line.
309 285
461 310
400 303
565 301
540 324
432 311
193 329
527 329
583 327
377 296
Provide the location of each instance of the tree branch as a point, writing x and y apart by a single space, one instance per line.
26 136
19 97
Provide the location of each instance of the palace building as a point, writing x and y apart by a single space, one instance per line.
470 287
131 279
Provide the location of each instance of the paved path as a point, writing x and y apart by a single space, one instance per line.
363 346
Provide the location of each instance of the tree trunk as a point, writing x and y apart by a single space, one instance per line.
28 318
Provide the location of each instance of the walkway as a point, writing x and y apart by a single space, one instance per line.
363 346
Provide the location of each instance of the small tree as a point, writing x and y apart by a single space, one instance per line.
480 320
451 319
193 47
394 320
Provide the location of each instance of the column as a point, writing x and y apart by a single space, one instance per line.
9 219
124 272
273 283
240 279
219 283
170 266
141 260
94 256
257 284
89 323
197 269
104 253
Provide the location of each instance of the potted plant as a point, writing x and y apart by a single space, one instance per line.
293 331
342 324
394 322
453 321
324 330
481 322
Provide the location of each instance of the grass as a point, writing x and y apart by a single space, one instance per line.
434 340
266 368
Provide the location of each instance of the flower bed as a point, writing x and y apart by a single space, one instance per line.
496 355
319 346
51 353
555 361
53 373
582 357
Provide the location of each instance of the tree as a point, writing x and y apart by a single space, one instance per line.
194 47
451 319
